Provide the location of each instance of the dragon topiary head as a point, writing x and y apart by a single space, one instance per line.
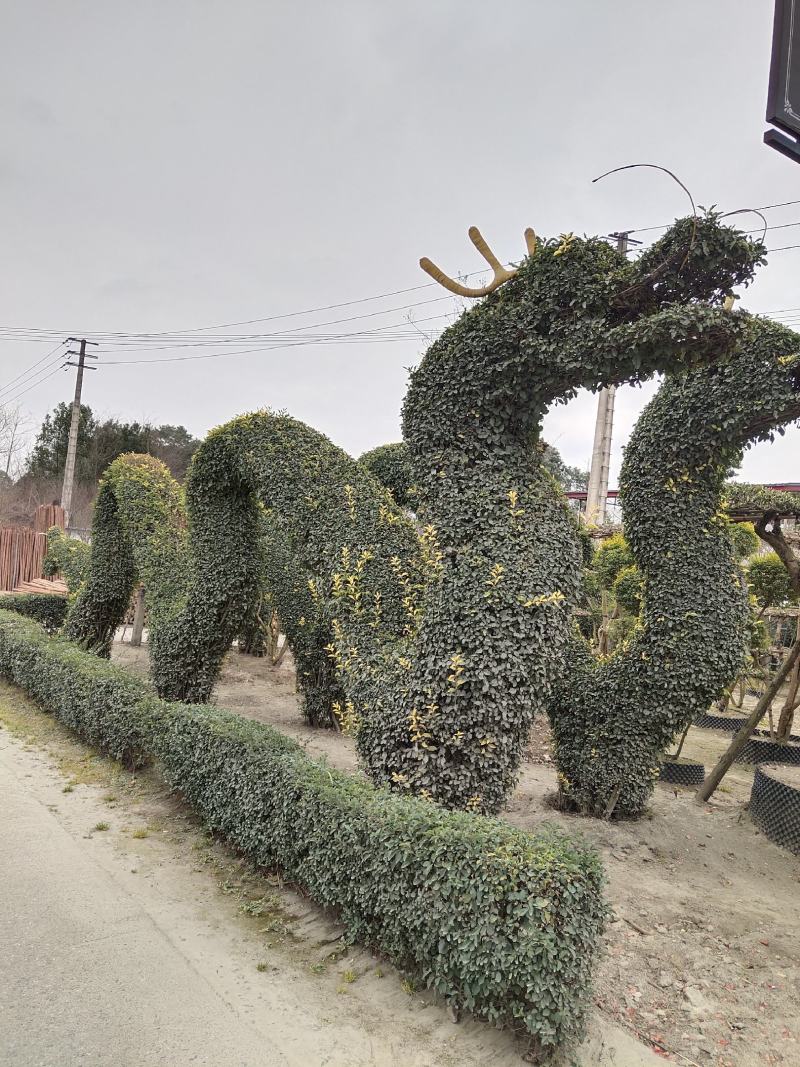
575 313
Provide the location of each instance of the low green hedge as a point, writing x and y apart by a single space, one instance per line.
49 609
104 705
499 922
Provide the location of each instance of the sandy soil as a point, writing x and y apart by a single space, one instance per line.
703 957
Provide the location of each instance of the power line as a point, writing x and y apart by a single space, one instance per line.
148 340
763 207
247 338
29 370
297 342
39 381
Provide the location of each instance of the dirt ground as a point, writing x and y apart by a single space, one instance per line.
702 959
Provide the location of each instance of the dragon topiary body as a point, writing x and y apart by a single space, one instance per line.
613 718
444 643
435 640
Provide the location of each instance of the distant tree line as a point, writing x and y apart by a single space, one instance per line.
100 441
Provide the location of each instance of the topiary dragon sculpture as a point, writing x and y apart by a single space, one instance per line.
444 644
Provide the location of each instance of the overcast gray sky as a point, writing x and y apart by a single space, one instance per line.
168 166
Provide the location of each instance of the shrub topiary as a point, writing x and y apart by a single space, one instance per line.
137 535
48 609
445 644
613 720
504 924
334 530
391 465
448 716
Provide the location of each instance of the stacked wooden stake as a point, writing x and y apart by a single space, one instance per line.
22 550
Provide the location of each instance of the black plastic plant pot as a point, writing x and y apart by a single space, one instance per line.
758 750
765 733
682 771
720 722
775 805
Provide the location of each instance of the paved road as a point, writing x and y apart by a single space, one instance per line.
115 955
87 977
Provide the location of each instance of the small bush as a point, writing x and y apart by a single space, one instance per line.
628 589
499 922
68 557
610 558
769 581
746 541
48 609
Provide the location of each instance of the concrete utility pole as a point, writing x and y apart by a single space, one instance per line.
72 447
597 490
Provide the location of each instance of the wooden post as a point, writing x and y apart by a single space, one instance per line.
740 740
790 704
138 618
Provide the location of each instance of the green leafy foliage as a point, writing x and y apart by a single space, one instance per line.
744 539
741 498
613 719
501 923
449 716
612 556
138 535
330 526
67 556
48 609
104 705
769 581
391 465
628 589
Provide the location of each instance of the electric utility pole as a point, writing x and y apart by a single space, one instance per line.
72 446
597 490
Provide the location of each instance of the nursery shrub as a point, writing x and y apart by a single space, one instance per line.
502 923
68 557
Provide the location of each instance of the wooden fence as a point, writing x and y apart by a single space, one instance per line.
22 550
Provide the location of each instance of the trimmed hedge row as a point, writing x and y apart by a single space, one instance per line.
49 609
504 924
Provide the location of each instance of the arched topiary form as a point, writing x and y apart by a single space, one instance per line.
613 719
334 533
391 465
138 534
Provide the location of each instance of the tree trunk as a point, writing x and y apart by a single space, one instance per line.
712 780
680 746
138 618
789 705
